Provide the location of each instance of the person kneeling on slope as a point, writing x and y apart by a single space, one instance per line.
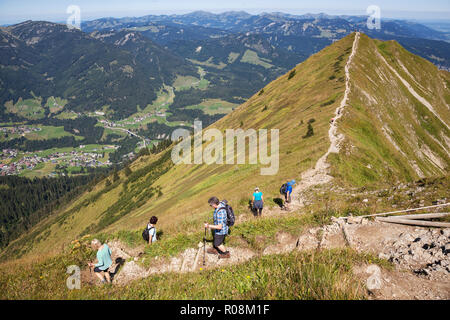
104 261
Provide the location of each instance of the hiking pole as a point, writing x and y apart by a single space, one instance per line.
204 248
90 270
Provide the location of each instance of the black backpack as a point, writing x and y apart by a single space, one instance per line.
230 214
145 233
283 189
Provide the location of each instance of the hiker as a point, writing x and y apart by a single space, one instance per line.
258 202
220 228
290 184
149 233
104 261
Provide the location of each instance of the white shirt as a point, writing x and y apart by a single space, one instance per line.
151 232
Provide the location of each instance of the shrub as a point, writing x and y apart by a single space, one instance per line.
310 131
291 74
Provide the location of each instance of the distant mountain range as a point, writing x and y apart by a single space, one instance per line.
303 34
47 59
124 63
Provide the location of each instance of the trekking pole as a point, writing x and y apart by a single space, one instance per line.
90 270
204 248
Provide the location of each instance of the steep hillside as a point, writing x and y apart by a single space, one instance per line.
383 132
397 122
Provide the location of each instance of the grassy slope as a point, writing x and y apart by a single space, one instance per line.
378 100
311 275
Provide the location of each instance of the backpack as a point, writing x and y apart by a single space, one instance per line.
283 189
230 214
145 233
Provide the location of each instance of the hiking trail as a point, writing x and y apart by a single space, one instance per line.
319 174
420 256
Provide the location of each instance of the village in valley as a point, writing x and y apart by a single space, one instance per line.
15 162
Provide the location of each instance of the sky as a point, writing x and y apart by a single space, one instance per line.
13 11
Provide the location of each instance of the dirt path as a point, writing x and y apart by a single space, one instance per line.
420 256
319 174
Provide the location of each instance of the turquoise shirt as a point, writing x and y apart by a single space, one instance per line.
104 258
258 196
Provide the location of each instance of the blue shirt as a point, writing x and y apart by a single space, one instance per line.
104 258
289 186
220 217
258 196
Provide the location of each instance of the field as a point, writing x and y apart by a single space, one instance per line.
28 108
215 106
209 63
41 170
55 104
187 82
252 58
49 132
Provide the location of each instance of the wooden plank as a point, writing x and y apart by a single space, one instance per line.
406 210
416 222
422 216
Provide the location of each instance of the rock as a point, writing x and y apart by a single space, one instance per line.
353 220
406 237
447 248
446 232
383 256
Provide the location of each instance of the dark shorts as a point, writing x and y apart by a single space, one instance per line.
258 204
97 269
219 239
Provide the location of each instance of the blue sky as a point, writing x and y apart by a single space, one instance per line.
12 11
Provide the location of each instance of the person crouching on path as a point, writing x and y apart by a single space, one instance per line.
290 184
152 230
258 202
220 228
104 261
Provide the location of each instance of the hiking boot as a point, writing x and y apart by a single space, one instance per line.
212 251
225 255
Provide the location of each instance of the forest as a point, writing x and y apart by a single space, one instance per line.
25 202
